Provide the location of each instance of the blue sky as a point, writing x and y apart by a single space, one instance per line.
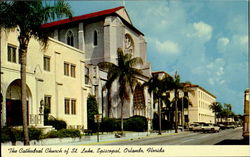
204 40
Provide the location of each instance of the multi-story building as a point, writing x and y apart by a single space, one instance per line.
201 99
67 71
54 78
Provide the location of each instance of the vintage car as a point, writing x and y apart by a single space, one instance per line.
209 127
197 126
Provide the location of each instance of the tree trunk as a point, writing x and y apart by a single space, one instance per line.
176 114
159 113
109 102
215 118
182 114
122 115
23 53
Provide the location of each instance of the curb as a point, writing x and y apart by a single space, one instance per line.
129 139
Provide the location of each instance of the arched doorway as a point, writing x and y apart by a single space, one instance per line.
139 101
14 105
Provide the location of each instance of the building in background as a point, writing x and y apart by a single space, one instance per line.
193 104
201 99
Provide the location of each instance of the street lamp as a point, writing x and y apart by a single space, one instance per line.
41 111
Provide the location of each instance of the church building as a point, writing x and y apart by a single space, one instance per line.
66 72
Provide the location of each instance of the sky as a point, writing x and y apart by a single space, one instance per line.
205 41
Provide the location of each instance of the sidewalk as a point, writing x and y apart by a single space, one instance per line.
108 138
92 140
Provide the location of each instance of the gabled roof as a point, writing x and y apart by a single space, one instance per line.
82 17
92 16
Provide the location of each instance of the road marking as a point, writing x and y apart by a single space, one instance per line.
188 140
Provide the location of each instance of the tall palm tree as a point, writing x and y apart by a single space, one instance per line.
227 110
125 73
176 86
155 87
108 87
28 16
186 91
159 86
216 107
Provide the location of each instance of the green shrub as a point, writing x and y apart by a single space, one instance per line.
12 134
165 125
34 133
57 124
136 123
63 133
109 125
5 135
92 109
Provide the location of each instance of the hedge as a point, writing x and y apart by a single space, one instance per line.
109 125
136 123
63 133
57 124
12 134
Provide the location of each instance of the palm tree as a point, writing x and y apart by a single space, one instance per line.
184 102
125 73
216 107
176 85
159 86
108 86
155 87
28 16
228 111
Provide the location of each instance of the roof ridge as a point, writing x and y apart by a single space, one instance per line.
82 17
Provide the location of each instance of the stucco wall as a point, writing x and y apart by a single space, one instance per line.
52 83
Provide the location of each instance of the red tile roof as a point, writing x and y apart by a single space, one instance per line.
82 17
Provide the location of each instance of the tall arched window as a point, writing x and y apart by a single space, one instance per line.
70 38
129 44
95 38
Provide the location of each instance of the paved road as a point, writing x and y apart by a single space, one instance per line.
189 138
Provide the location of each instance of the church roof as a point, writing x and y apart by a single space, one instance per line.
90 16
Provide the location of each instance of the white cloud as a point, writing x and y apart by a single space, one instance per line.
222 44
167 47
223 41
201 30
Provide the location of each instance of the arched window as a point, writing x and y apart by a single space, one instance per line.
70 38
95 38
139 101
129 44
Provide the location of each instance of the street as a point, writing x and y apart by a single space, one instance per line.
224 137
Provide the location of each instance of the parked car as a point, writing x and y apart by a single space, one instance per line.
231 125
198 126
192 126
209 127
222 126
227 125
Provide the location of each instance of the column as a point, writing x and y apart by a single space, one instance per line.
81 40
